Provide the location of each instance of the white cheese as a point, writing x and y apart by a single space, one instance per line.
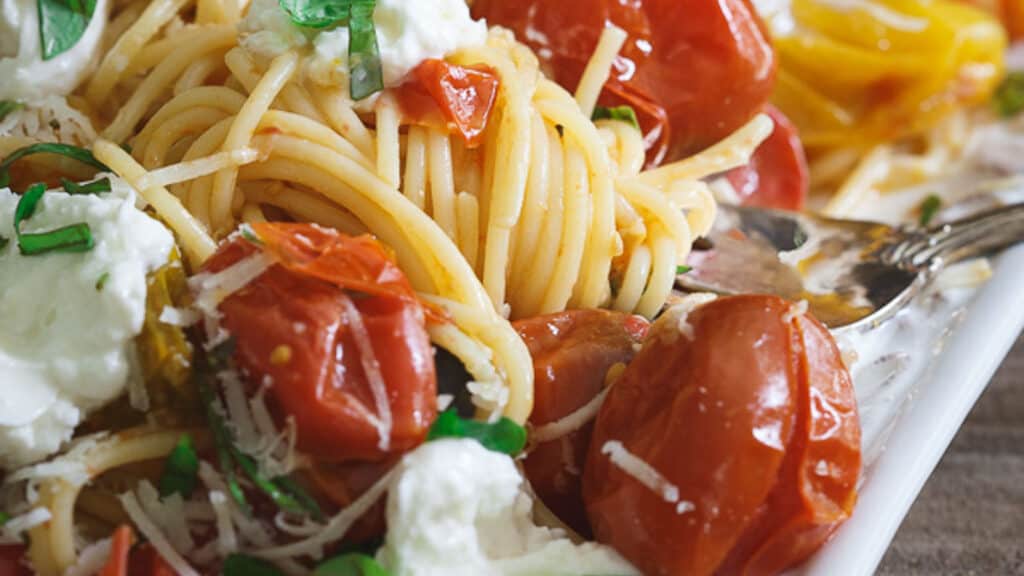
64 348
25 74
456 508
408 32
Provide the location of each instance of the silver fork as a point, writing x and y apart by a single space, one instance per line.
853 274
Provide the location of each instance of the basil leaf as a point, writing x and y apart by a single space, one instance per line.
4 242
366 75
283 500
180 470
221 438
620 113
683 269
8 106
101 185
62 23
242 565
72 238
1008 99
4 517
303 498
102 281
502 436
315 13
351 565
929 208
74 152
27 205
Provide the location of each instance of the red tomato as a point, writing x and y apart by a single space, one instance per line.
292 324
342 484
572 352
13 561
146 561
753 420
707 63
776 176
462 96
120 547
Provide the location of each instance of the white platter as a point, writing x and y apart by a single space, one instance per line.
917 380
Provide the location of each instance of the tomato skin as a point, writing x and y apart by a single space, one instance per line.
572 352
463 97
708 64
737 418
777 175
13 560
146 561
299 305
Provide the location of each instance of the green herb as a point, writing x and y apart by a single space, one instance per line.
71 238
350 565
620 113
3 242
316 13
62 23
929 208
683 269
502 436
249 234
283 500
4 517
366 76
102 281
180 470
8 106
101 185
307 502
242 565
27 205
1008 99
73 152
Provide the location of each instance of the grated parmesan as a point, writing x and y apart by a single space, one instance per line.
12 530
212 289
179 317
794 311
168 514
571 422
372 369
92 559
227 540
155 536
645 474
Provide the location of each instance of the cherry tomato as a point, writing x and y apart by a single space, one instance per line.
342 484
744 407
460 97
293 325
572 352
776 176
120 547
707 63
12 560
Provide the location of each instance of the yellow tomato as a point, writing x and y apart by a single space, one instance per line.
860 72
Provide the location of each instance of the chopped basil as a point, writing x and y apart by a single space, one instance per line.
8 106
316 13
620 113
102 281
243 565
4 242
71 238
366 75
929 208
101 185
269 487
73 152
62 23
683 269
180 470
502 436
1008 99
4 517
350 565
250 235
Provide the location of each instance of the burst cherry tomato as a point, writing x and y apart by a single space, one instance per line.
12 560
745 408
572 352
776 176
146 561
295 324
707 64
460 97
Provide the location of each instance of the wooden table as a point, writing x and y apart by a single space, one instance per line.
969 519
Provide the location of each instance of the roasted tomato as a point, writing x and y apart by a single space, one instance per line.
459 97
344 483
146 561
12 560
572 352
330 318
776 176
730 445
706 64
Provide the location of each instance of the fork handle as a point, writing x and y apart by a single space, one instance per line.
975 235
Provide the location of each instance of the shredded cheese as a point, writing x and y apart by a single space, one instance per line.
372 369
13 528
212 289
156 537
227 541
795 310
168 514
645 474
570 423
91 560
179 317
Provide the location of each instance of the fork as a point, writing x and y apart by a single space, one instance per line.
853 275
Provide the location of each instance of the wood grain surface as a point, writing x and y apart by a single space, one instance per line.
969 519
